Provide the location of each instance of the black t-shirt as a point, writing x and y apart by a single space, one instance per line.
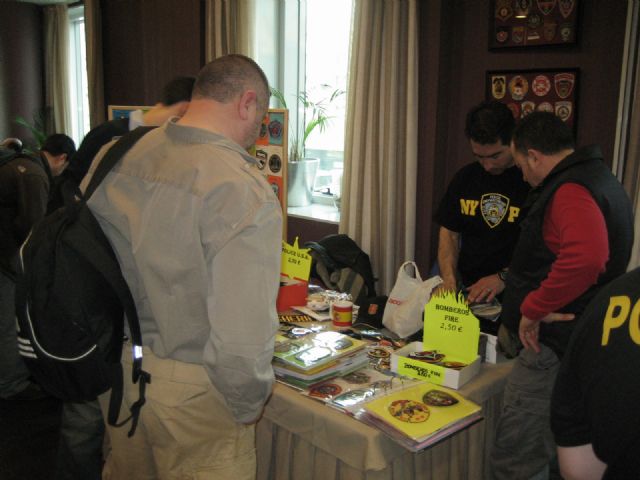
597 393
485 210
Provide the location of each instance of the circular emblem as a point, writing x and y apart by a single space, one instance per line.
541 85
409 411
518 87
527 108
325 390
545 107
534 20
438 398
378 353
275 129
275 163
502 34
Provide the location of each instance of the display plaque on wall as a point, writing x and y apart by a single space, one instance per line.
270 150
525 91
528 23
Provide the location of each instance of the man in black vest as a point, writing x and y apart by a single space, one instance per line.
576 237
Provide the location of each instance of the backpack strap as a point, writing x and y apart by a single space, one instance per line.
117 282
112 157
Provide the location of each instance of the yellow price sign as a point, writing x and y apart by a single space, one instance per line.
296 261
449 326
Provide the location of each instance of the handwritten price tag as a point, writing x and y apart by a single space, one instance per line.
296 262
450 327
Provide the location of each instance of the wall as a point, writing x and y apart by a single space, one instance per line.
454 57
148 42
21 69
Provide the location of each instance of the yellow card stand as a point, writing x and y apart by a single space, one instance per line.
448 353
294 276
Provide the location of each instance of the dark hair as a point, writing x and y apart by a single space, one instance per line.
59 143
177 90
543 131
225 77
489 122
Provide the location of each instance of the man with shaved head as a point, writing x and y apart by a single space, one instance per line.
197 230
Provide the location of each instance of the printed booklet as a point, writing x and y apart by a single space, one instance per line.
420 416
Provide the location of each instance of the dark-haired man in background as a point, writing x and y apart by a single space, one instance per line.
173 102
480 212
25 185
576 237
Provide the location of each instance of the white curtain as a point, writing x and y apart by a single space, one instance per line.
380 158
95 73
228 27
56 66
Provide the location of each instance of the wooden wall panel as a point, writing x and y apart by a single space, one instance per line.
21 66
146 44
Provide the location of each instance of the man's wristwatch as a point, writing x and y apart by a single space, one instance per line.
502 274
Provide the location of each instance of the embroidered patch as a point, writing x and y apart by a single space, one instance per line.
494 207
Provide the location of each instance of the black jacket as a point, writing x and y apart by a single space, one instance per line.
532 260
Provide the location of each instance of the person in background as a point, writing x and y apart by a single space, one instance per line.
480 211
80 455
576 237
25 182
593 420
173 102
197 230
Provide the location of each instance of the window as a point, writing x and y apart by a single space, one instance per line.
79 107
311 54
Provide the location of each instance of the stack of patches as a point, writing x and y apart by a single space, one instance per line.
304 357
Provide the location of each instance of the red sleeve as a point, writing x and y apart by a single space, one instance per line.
575 231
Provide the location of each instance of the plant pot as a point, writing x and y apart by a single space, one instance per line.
301 177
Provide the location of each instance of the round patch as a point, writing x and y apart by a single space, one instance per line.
275 163
378 353
409 411
275 129
518 87
326 390
438 398
541 85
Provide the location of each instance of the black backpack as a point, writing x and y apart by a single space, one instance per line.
343 266
71 300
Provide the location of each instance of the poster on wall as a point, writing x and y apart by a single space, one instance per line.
122 111
271 152
525 91
529 23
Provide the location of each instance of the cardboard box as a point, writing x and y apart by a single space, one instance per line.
438 374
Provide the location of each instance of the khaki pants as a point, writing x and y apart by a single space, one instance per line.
186 430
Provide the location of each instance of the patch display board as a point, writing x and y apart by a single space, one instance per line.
530 23
122 111
524 91
271 152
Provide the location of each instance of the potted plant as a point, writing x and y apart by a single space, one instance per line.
301 169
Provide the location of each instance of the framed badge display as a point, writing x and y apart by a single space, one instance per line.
271 150
529 23
524 91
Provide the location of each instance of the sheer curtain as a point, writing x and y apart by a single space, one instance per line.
627 154
380 158
56 67
228 27
95 74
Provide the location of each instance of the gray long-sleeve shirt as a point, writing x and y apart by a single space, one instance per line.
197 231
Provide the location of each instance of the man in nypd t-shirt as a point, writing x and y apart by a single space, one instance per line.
481 209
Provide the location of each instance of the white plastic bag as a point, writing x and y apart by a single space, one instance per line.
407 281
408 317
